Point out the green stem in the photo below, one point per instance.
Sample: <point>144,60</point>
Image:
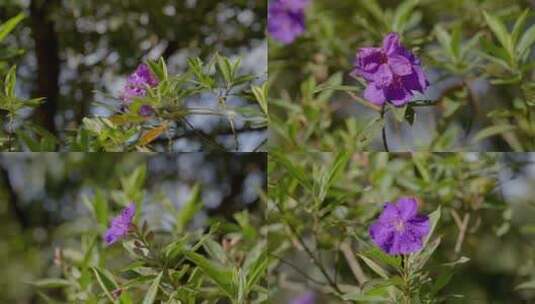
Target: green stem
<point>385,142</point>
<point>406,279</point>
<point>10,132</point>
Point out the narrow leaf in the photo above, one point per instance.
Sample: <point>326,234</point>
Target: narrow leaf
<point>153,290</point>
<point>151,135</point>
<point>9,25</point>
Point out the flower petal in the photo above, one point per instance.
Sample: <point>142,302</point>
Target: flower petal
<point>129,211</point>
<point>382,235</point>
<point>390,213</point>
<point>295,5</point>
<point>285,25</point>
<point>374,94</point>
<point>391,43</point>
<point>367,61</point>
<point>407,207</point>
<point>400,65</point>
<point>384,76</point>
<point>419,226</point>
<point>397,94</point>
<point>405,242</point>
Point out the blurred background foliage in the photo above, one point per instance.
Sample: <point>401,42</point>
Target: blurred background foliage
<point>76,54</point>
<point>478,56</point>
<point>327,202</point>
<point>47,207</point>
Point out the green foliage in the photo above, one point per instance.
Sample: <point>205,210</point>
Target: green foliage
<point>319,238</point>
<point>478,57</point>
<point>132,131</point>
<point>181,265</point>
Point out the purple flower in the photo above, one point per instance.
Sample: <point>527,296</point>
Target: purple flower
<point>146,111</point>
<point>138,82</point>
<point>400,229</point>
<point>393,73</point>
<point>307,298</point>
<point>286,19</point>
<point>120,225</point>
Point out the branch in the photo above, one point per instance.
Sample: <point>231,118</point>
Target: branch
<point>12,199</point>
<point>353,263</point>
<point>192,132</point>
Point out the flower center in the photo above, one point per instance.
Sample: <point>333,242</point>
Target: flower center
<point>399,225</point>
<point>383,58</point>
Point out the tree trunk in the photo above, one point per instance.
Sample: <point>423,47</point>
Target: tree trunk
<point>48,62</point>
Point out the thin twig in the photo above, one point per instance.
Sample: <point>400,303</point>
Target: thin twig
<point>202,135</point>
<point>263,142</point>
<point>385,142</point>
<point>353,263</point>
<point>364,102</point>
<point>311,255</point>
<point>463,226</point>
<point>299,271</point>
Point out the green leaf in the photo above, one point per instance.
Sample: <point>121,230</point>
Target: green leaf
<point>261,96</point>
<point>215,251</point>
<point>444,39</point>
<point>221,276</point>
<point>11,79</point>
<point>255,265</point>
<point>9,25</point>
<point>409,115</point>
<point>374,9</point>
<point>500,31</point>
<point>402,14</point>
<point>378,254</point>
<point>125,298</point>
<point>101,208</point>
<point>225,68</point>
<point>327,179</point>
<point>52,283</point>
<point>374,266</point>
<point>419,260</point>
<point>106,281</point>
<point>399,112</point>
<point>296,172</point>
<point>440,282</point>
<point>528,38</point>
<point>31,143</point>
<point>159,68</point>
<point>190,209</point>
<point>434,218</point>
<point>519,24</point>
<point>492,131</point>
<point>153,290</point>
<point>460,260</point>
<point>526,285</point>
